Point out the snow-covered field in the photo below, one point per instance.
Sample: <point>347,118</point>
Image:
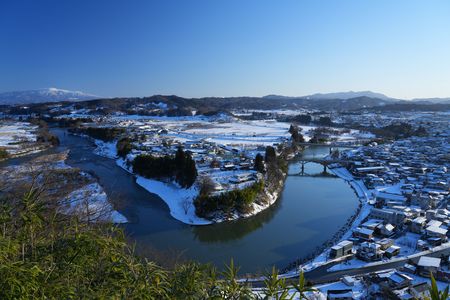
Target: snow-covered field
<point>242,133</point>
<point>13,136</point>
<point>106,149</point>
<point>221,131</point>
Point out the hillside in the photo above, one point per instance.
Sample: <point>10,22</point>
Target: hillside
<point>43,95</point>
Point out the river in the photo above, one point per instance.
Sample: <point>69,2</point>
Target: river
<point>308,213</point>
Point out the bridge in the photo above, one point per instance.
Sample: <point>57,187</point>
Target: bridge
<point>333,145</point>
<point>321,174</point>
<point>348,145</point>
<point>323,161</point>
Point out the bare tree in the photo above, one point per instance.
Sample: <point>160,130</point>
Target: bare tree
<point>186,203</point>
<point>206,185</point>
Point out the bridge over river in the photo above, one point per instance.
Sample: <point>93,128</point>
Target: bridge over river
<point>322,161</point>
<point>328,160</point>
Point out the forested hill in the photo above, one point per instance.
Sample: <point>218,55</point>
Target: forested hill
<point>172,105</point>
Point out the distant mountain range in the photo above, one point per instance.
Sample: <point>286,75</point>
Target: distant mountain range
<point>43,95</point>
<point>341,101</point>
<point>432,100</point>
<point>353,95</point>
<point>339,95</point>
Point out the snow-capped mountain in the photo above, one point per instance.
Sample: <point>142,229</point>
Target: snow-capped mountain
<point>43,95</point>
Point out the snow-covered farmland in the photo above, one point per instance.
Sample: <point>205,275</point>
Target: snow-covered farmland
<point>223,147</point>
<point>18,137</point>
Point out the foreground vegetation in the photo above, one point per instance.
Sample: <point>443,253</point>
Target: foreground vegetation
<point>45,253</point>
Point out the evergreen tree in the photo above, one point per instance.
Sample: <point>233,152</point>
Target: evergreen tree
<point>124,147</point>
<point>182,167</point>
<point>259,163</point>
<point>189,172</point>
<point>180,157</point>
<point>297,137</point>
<point>271,155</point>
<point>291,129</point>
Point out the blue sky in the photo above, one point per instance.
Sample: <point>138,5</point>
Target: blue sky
<point>226,48</point>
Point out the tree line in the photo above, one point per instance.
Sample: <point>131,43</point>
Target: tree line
<point>239,200</point>
<point>399,130</point>
<point>272,166</point>
<point>101,133</point>
<point>180,168</point>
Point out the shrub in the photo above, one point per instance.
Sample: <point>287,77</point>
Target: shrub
<point>3,153</point>
<point>124,146</point>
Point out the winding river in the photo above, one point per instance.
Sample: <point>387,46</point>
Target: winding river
<point>309,212</point>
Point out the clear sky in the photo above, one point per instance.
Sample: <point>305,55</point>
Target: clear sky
<point>226,48</point>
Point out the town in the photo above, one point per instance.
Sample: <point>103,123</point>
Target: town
<point>400,233</point>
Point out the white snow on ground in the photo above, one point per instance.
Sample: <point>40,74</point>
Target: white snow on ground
<point>408,243</point>
<point>19,138</point>
<point>16,132</point>
<point>349,264</point>
<point>179,200</point>
<point>107,149</point>
<point>222,130</point>
<point>357,185</point>
<point>358,290</point>
<point>237,133</point>
<point>91,201</point>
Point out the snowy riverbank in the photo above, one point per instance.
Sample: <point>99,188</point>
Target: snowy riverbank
<point>364,196</point>
<point>92,203</point>
<point>181,201</point>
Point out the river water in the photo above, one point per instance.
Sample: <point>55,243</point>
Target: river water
<point>308,213</point>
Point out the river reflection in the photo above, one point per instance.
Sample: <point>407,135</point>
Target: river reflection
<point>309,212</point>
<point>235,229</point>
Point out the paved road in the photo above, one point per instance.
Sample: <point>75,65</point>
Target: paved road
<point>320,274</point>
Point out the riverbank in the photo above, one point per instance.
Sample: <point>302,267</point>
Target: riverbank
<point>320,256</point>
<point>263,200</point>
<point>303,203</point>
<point>76,192</point>
<point>181,201</point>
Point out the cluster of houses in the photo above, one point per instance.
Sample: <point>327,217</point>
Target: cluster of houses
<point>411,183</point>
<point>229,167</point>
<point>435,123</point>
<point>410,213</point>
<point>410,281</point>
